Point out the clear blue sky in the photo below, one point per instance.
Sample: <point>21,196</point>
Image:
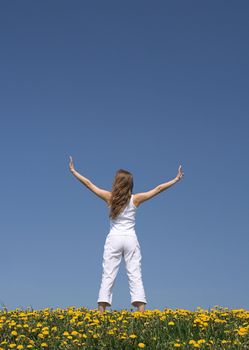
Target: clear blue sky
<point>140,85</point>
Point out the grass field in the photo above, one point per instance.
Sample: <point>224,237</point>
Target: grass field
<point>81,328</point>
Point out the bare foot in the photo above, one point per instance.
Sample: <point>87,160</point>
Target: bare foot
<point>140,306</point>
<point>102,306</point>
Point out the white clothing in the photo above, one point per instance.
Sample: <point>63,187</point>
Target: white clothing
<point>122,241</point>
<point>125,221</point>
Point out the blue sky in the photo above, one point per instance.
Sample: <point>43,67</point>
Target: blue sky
<point>144,86</point>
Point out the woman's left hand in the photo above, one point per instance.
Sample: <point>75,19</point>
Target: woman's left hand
<point>71,165</point>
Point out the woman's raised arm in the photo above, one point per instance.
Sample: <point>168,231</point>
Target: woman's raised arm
<point>103,194</point>
<point>144,196</point>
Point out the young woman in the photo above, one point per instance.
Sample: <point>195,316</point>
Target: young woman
<point>121,240</point>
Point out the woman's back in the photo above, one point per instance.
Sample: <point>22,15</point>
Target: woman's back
<point>125,221</point>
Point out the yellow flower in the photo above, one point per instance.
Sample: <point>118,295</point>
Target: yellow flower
<point>44,345</point>
<point>242,331</point>
<point>177,345</point>
<point>171,323</point>
<point>84,336</point>
<point>65,333</point>
<point>12,345</point>
<point>20,347</point>
<point>74,332</point>
<point>141,345</point>
<point>133,336</point>
<point>14,333</point>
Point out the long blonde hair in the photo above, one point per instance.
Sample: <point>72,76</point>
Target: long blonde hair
<point>122,187</point>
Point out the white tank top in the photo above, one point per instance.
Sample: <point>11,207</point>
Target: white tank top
<point>124,223</point>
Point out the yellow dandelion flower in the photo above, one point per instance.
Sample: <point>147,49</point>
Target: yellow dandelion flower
<point>141,345</point>
<point>133,336</point>
<point>177,345</point>
<point>171,323</point>
<point>74,333</point>
<point>19,347</point>
<point>12,345</point>
<point>14,333</point>
<point>44,345</point>
<point>242,331</point>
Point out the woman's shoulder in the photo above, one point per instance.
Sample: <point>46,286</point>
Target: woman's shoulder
<point>135,201</point>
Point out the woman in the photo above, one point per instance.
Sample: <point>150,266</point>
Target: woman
<point>122,239</point>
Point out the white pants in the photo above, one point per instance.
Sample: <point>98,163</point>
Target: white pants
<point>116,246</point>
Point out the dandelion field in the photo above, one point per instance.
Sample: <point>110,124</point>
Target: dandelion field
<point>80,328</point>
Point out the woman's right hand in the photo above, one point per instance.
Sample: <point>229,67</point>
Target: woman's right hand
<point>180,173</point>
<point>71,165</point>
